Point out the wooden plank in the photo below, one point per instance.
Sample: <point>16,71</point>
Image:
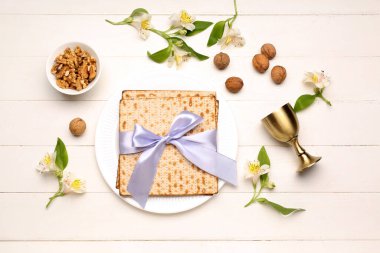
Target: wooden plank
<point>293,35</point>
<point>212,7</point>
<point>103,216</point>
<point>40,122</point>
<point>191,246</point>
<point>330,175</point>
<point>30,82</point>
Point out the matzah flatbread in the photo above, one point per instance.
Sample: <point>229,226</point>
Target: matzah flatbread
<point>175,175</point>
<point>137,94</point>
<point>140,94</point>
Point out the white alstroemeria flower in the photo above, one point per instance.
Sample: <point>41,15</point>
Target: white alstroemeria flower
<point>178,56</point>
<point>231,36</point>
<point>255,170</point>
<point>142,24</point>
<point>73,184</point>
<point>47,163</point>
<point>183,19</point>
<point>319,79</point>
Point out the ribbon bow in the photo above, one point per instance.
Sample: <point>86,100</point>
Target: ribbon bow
<point>199,149</point>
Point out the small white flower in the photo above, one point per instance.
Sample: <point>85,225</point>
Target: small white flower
<point>231,36</point>
<point>47,163</point>
<point>319,79</point>
<point>73,184</point>
<point>255,170</point>
<point>183,19</point>
<point>142,24</point>
<point>178,57</point>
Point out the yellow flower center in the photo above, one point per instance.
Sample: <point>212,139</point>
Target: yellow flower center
<point>315,78</point>
<point>185,17</point>
<point>145,24</point>
<point>47,159</point>
<point>254,167</point>
<point>228,40</point>
<point>76,184</point>
<point>178,59</point>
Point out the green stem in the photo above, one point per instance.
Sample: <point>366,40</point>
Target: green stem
<point>160,33</point>
<point>232,20</point>
<point>170,28</point>
<point>59,193</point>
<point>253,199</point>
<point>323,98</point>
<point>258,194</point>
<point>235,6</point>
<point>126,21</point>
<point>255,196</point>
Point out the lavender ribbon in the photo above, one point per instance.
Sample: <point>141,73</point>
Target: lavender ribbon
<point>199,149</point>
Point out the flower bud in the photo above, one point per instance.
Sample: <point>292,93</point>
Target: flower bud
<point>179,43</point>
<point>182,32</point>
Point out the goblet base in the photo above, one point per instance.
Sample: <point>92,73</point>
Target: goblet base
<point>307,161</point>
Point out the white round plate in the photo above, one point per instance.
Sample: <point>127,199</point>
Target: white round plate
<point>106,140</point>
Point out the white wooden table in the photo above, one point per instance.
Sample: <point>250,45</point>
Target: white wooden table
<point>341,194</point>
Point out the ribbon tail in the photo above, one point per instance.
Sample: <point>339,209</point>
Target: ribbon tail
<point>143,175</point>
<point>208,160</point>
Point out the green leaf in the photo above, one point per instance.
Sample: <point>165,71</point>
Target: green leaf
<point>304,102</point>
<point>263,157</point>
<point>200,26</point>
<point>279,208</point>
<point>129,20</point>
<point>138,12</point>
<point>182,44</point>
<point>123,22</point>
<point>62,158</point>
<point>161,56</point>
<point>216,33</point>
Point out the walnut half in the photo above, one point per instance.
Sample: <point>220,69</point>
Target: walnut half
<point>74,69</point>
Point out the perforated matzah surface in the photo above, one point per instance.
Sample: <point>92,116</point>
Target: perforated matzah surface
<point>175,175</point>
<point>136,94</point>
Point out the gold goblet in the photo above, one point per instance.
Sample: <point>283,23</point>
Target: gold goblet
<point>283,126</point>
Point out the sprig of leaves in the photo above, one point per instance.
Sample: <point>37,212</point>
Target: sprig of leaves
<point>61,161</point>
<point>265,182</point>
<point>307,100</point>
<point>218,29</point>
<point>172,36</point>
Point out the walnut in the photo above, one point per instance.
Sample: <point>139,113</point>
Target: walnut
<point>234,84</point>
<point>74,69</point>
<point>268,50</point>
<point>278,74</point>
<point>221,60</point>
<point>77,126</point>
<point>260,62</point>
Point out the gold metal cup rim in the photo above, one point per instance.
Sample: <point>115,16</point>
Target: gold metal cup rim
<point>287,105</point>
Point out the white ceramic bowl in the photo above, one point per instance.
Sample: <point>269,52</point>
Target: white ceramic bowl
<point>59,50</point>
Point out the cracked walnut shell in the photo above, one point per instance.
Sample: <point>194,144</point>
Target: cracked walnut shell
<point>260,62</point>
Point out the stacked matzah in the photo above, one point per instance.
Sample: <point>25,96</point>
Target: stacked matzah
<point>155,110</point>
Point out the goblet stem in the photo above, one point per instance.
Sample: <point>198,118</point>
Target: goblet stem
<point>306,159</point>
<point>296,145</point>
